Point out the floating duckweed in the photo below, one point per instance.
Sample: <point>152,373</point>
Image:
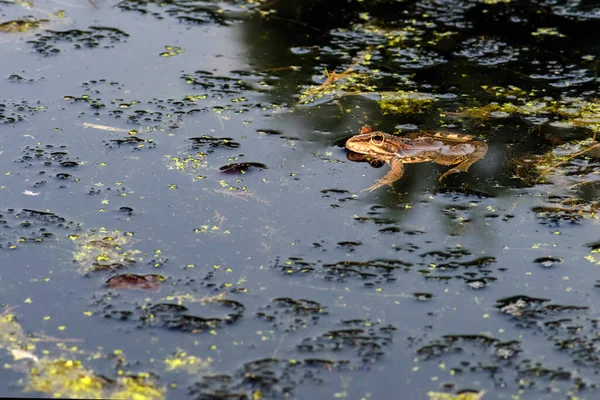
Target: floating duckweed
<point>103,250</point>
<point>566,112</point>
<point>510,91</point>
<point>531,168</point>
<point>11,334</point>
<point>21,25</point>
<point>137,388</point>
<point>405,102</point>
<point>189,165</point>
<point>69,378</point>
<point>337,85</point>
<point>468,395</point>
<point>547,32</point>
<point>188,363</point>
<point>171,51</point>
<point>64,378</point>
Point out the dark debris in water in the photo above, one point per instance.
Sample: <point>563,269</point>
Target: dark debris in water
<point>193,12</point>
<point>179,318</point>
<point>241,167</point>
<point>17,111</point>
<point>292,314</point>
<point>47,43</point>
<point>209,143</point>
<point>47,160</point>
<point>271,377</point>
<point>18,228</point>
<point>367,339</point>
<point>134,281</point>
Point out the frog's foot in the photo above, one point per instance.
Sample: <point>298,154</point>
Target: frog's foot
<point>454,170</point>
<point>379,183</point>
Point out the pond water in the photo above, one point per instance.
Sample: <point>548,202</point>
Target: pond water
<point>180,218</point>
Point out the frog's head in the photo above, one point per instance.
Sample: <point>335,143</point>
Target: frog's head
<point>376,144</point>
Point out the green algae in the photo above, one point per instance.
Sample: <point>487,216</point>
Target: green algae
<point>460,396</point>
<point>191,165</point>
<point>68,377</point>
<point>22,25</point>
<point>405,102</point>
<point>182,361</point>
<point>71,379</point>
<point>172,51</point>
<point>564,112</point>
<point>101,249</point>
<point>336,85</point>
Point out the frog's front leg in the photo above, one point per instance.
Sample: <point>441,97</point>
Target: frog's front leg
<point>392,176</point>
<point>480,150</point>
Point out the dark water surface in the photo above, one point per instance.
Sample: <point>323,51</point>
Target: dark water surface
<point>179,218</point>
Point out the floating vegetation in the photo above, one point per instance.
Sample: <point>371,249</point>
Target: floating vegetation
<point>462,395</point>
<point>70,379</point>
<point>571,164</point>
<point>104,250</point>
<point>171,51</point>
<point>191,165</point>
<point>67,377</point>
<point>405,102</point>
<point>334,86</point>
<point>563,113</point>
<point>22,25</point>
<point>192,365</point>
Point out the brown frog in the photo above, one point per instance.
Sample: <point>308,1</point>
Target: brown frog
<point>441,148</point>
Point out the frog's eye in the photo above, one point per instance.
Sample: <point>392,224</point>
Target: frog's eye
<point>377,139</point>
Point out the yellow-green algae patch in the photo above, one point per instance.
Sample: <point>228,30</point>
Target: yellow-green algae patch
<point>193,365</point>
<point>101,249</point>
<point>21,25</point>
<point>566,112</point>
<point>461,396</point>
<point>70,379</point>
<point>11,334</point>
<point>554,166</point>
<point>405,102</point>
<point>190,165</point>
<point>337,85</point>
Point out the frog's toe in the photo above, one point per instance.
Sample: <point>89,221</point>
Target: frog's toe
<point>449,172</point>
<point>376,186</point>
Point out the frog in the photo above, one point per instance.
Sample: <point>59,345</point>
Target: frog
<point>444,148</point>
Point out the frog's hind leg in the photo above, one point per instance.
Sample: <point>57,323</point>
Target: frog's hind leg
<point>464,165</point>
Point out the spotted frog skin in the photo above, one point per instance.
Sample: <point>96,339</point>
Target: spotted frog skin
<point>440,148</point>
